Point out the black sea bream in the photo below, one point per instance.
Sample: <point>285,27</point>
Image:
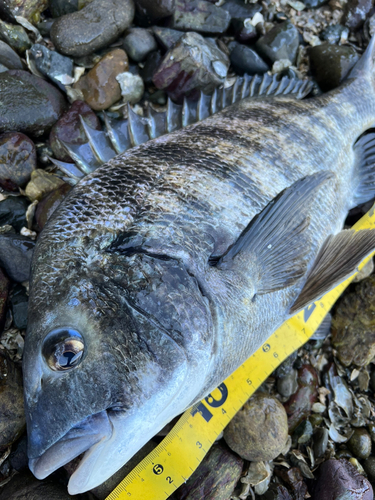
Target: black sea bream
<point>166,268</point>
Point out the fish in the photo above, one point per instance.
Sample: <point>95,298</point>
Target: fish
<point>163,270</point>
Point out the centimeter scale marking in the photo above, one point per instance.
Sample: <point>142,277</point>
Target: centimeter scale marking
<point>173,461</point>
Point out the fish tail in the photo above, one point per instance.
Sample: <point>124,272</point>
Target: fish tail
<point>364,68</point>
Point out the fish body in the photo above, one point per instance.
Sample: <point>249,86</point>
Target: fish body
<point>165,269</point>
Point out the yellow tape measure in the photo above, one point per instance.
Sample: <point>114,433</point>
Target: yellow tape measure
<point>172,462</point>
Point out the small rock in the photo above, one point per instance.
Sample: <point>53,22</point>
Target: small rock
<point>166,36</point>
<point>298,407</point>
<point>18,305</point>
<point>281,42</point>
<point>189,66</point>
<point>353,325</point>
<point>238,9</point>
<point>45,27</point>
<point>259,431</point>
<point>138,43</point>
<point>332,34</point>
<point>15,36</point>
<point>8,57</point>
<point>356,12</point>
<point>303,432</point>
<point>287,384</point>
<point>293,478</point>
<point>132,87</point>
<point>17,160</point>
<point>4,290</point>
<point>200,16</point>
<point>215,478</point>
<point>280,66</point>
<point>48,205</point>
<point>30,9</point>
<point>26,487</point>
<point>69,128</point>
<point>13,212</point>
<point>99,87</point>
<point>15,256</point>
<point>314,4</point>
<point>320,441</point>
<point>246,60</point>
<point>360,443</point>
<point>277,492</point>
<point>151,11</point>
<point>42,183</point>
<point>29,104</point>
<point>244,31</point>
<point>150,66</point>
<point>12,417</point>
<point>339,479</point>
<point>331,63</point>
<point>52,64</point>
<point>369,467</point>
<point>95,26</point>
<point>365,272</point>
<point>60,8</point>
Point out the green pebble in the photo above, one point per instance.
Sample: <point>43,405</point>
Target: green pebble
<point>360,443</point>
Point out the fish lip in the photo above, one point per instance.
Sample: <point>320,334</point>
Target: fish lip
<point>52,458</point>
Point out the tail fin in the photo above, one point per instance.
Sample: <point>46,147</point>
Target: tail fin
<point>364,68</point>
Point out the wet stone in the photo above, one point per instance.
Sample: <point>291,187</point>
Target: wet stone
<point>42,183</point>
<point>30,104</point>
<point>193,63</point>
<point>166,37</point>
<point>331,63</point>
<point>16,252</point>
<point>244,31</point>
<point>26,487</point>
<point>99,87</point>
<point>95,26</point>
<point>215,478</point>
<point>18,305</point>
<point>17,160</point>
<point>15,36</point>
<point>4,291</point>
<point>13,212</point>
<point>246,60</point>
<point>30,9</point>
<point>60,8</point>
<point>48,205</point>
<point>303,432</point>
<point>52,64</point>
<point>339,479</point>
<point>332,34</point>
<point>353,325</point>
<point>360,443</point>
<point>238,9</point>
<point>151,11</point>
<point>138,43</point>
<point>132,87</point>
<point>369,467</point>
<point>69,128</point>
<point>200,16</point>
<point>45,27</point>
<point>150,66</point>
<point>294,479</point>
<point>12,418</point>
<point>8,57</point>
<point>356,12</point>
<point>287,384</point>
<point>259,431</point>
<point>281,42</point>
<point>320,441</point>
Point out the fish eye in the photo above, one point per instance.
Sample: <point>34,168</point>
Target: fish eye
<point>63,349</point>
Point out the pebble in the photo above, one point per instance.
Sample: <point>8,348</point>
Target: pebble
<point>69,128</point>
<point>99,86</point>
<point>303,432</point>
<point>294,479</point>
<point>18,305</point>
<point>192,64</point>
<point>259,431</point>
<point>320,441</point>
<point>281,42</point>
<point>166,37</point>
<point>42,183</point>
<point>237,9</point>
<point>314,4</point>
<point>132,87</point>
<point>353,325</point>
<point>13,212</point>
<point>332,34</point>
<point>52,64</point>
<point>369,467</point>
<point>8,57</point>
<point>360,443</point>
<point>16,253</point>
<point>138,43</point>
<point>30,104</point>
<point>26,487</point>
<point>298,407</point>
<point>150,66</point>
<point>244,31</point>
<point>30,9</point>
<point>12,418</point>
<point>15,36</point>
<point>200,16</point>
<point>277,492</point>
<point>215,479</point>
<point>95,26</point>
<point>4,291</point>
<point>287,384</point>
<point>246,60</point>
<point>339,479</point>
<point>17,160</point>
<point>151,11</point>
<point>356,12</point>
<point>331,63</point>
<point>48,205</point>
<point>60,8</point>
<point>365,271</point>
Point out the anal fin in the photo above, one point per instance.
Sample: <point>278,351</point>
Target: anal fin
<point>336,261</point>
<point>365,168</point>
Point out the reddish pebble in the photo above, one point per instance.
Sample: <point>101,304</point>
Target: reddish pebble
<point>17,160</point>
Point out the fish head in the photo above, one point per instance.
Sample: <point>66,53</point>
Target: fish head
<point>101,377</point>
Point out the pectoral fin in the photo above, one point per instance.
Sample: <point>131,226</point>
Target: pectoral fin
<point>275,244</point>
<point>336,261</point>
